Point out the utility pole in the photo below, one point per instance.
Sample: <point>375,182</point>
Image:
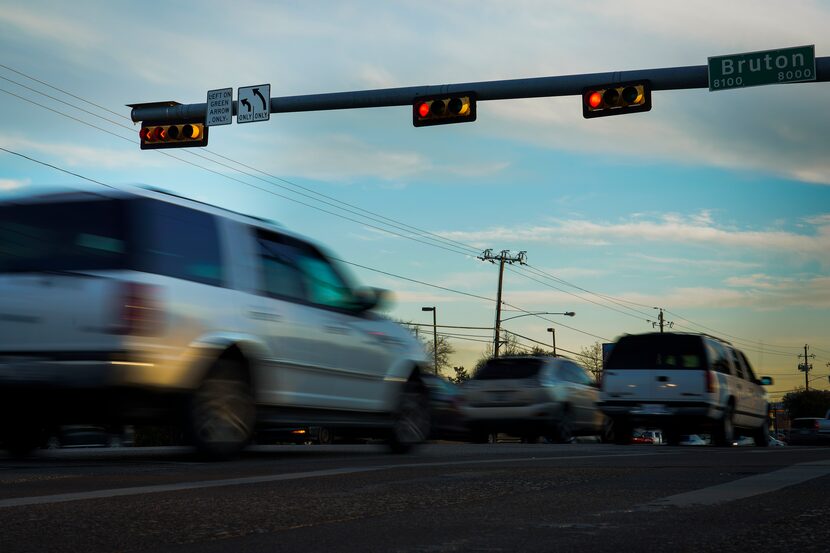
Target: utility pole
<point>661,321</point>
<point>806,366</point>
<point>503,257</point>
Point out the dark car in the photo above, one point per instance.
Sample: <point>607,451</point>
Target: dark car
<point>445,408</point>
<point>807,431</point>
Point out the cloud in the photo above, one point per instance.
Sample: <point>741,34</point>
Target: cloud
<point>74,155</point>
<point>674,262</point>
<point>7,185</point>
<point>669,229</point>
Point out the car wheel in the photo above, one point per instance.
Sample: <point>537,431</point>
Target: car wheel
<point>725,431</point>
<point>672,436</point>
<point>622,432</point>
<point>761,435</point>
<point>221,413</point>
<point>411,423</point>
<point>325,437</point>
<point>492,438</point>
<point>606,433</point>
<point>563,429</point>
<point>21,440</point>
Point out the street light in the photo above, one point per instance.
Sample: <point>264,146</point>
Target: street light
<point>498,324</point>
<point>434,335</point>
<point>553,332</point>
<point>566,313</point>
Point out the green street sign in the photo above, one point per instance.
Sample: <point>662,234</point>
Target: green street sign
<point>786,65</point>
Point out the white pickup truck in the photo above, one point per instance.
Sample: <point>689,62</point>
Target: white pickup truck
<point>810,430</point>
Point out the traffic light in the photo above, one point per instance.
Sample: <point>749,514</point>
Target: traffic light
<point>182,135</point>
<point>444,109</point>
<point>616,99</point>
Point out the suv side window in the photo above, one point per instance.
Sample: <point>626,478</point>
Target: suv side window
<point>574,373</point>
<point>178,241</point>
<point>749,374</point>
<point>717,357</point>
<point>738,364</point>
<point>295,270</point>
<point>280,276</point>
<point>324,285</point>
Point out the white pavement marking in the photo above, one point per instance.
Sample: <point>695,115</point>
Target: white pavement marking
<point>745,487</point>
<point>182,486</point>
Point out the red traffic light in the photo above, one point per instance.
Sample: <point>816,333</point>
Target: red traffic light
<point>181,135</point>
<point>616,99</point>
<point>444,109</point>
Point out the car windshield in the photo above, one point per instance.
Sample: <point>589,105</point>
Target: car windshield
<point>505,367</point>
<point>657,351</point>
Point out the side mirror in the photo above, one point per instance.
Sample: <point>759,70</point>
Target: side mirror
<point>765,381</point>
<point>373,299</point>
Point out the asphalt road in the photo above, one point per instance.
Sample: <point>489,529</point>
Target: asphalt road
<point>443,497</point>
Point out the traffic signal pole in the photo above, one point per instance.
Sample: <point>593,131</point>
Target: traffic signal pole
<point>667,78</point>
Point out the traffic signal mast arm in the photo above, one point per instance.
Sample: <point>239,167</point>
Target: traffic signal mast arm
<point>668,78</point>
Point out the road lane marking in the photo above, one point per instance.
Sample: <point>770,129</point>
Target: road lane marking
<point>204,484</point>
<point>744,487</point>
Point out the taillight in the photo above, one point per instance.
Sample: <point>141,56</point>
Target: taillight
<point>141,313</point>
<point>710,381</point>
<point>816,425</point>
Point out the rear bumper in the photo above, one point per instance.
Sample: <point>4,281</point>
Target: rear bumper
<point>512,418</point>
<point>43,374</point>
<point>692,412</point>
<point>61,391</point>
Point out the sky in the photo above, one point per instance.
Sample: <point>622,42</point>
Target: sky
<point>714,206</point>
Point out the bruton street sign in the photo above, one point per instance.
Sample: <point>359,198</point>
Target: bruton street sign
<point>785,65</point>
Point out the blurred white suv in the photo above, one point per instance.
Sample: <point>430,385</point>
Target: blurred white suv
<point>138,306</point>
<point>683,383</point>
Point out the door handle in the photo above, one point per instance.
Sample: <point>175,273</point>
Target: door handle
<point>264,315</point>
<point>662,379</point>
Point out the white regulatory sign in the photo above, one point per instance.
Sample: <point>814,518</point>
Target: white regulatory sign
<point>219,107</point>
<point>253,103</point>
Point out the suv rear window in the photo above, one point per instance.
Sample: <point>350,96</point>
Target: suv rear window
<point>657,351</point>
<point>110,234</point>
<point>62,236</point>
<point>505,367</point>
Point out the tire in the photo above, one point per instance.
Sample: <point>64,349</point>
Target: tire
<point>761,435</point>
<point>671,436</point>
<point>324,436</point>
<point>622,432</point>
<point>724,432</point>
<point>411,422</point>
<point>221,413</point>
<point>563,428</point>
<point>492,438</point>
<point>21,440</point>
<point>606,433</point>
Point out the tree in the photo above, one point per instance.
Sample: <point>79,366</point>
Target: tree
<point>445,349</point>
<point>590,357</point>
<point>461,375</point>
<point>807,403</point>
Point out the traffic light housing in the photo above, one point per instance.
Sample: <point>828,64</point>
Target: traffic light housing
<point>616,99</point>
<point>180,135</point>
<point>443,109</point>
